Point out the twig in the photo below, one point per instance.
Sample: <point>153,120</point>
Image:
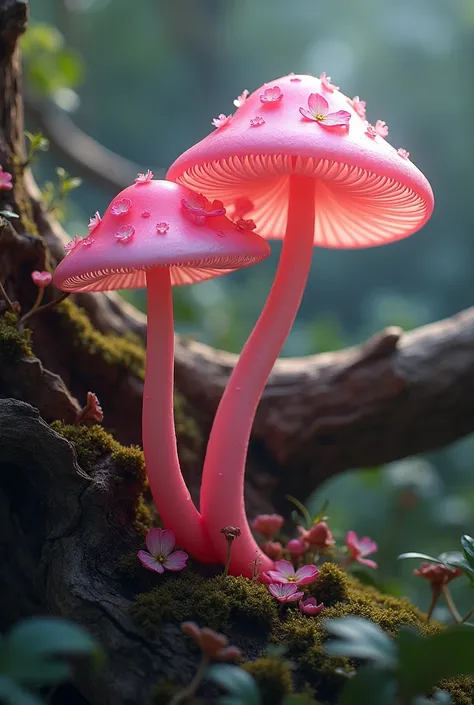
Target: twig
<point>451,606</point>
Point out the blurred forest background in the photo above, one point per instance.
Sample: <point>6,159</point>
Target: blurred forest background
<point>145,80</point>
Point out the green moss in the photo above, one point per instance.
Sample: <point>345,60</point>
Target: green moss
<point>461,689</point>
<point>13,343</point>
<point>273,678</point>
<point>331,586</point>
<point>217,603</point>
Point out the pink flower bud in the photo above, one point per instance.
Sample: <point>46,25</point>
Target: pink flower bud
<point>297,547</point>
<point>273,549</point>
<point>41,279</point>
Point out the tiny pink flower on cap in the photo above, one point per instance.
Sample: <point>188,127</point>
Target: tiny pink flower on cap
<point>271,95</point>
<point>162,228</point>
<point>240,100</point>
<point>381,128</point>
<point>244,225</point>
<point>41,279</point>
<point>267,524</point>
<point>318,110</point>
<point>5,180</point>
<point>297,547</point>
<point>310,606</point>
<point>94,221</point>
<point>403,153</point>
<point>146,214</point>
<point>326,83</point>
<point>121,206</point>
<point>198,208</point>
<point>360,548</point>
<point>221,120</point>
<point>257,121</point>
<point>359,106</point>
<point>160,555</point>
<point>370,131</point>
<point>87,241</point>
<point>273,549</point>
<point>285,593</point>
<point>285,573</point>
<point>72,244</point>
<point>125,233</point>
<point>144,178</point>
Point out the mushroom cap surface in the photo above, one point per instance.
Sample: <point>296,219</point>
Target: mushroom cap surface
<point>366,191</point>
<point>147,225</point>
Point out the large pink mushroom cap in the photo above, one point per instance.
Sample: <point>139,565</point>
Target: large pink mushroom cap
<point>366,191</point>
<point>148,226</point>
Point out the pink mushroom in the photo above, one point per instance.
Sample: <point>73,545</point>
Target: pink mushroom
<point>313,176</point>
<point>156,234</point>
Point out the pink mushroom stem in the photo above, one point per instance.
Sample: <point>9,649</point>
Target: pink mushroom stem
<point>171,496</point>
<point>222,491</point>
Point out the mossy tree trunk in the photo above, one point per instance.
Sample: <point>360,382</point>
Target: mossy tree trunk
<point>69,512</point>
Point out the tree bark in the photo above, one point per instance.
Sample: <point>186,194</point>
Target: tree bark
<point>395,395</point>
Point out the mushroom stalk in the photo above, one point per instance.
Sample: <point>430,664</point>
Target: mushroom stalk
<point>222,491</point>
<point>171,496</point>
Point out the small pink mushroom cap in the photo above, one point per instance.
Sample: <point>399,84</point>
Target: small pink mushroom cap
<point>158,224</point>
<point>366,192</point>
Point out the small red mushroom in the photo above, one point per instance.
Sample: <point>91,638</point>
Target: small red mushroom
<point>183,239</point>
<point>314,177</point>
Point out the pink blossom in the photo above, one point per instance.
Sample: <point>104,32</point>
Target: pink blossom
<point>271,95</point>
<point>221,120</point>
<point>144,178</point>
<point>360,548</point>
<point>41,279</point>
<point>319,111</point>
<point>326,83</point>
<point>285,573</point>
<point>381,128</point>
<point>273,549</point>
<point>359,106</point>
<point>318,535</point>
<point>125,233</point>
<point>94,221</point>
<point>92,411</point>
<point>160,554</point>
<point>257,121</point>
<point>5,180</point>
<point>198,208</point>
<point>146,214</point>
<point>72,244</point>
<point>162,228</point>
<point>297,547</point>
<point>438,575</point>
<point>310,606</point>
<point>370,131</point>
<point>285,593</point>
<point>88,241</point>
<point>245,225</point>
<point>121,206</point>
<point>267,524</point>
<point>240,100</point>
<point>403,153</point>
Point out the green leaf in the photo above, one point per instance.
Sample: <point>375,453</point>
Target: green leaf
<point>240,684</point>
<point>13,694</point>
<point>467,543</point>
<point>359,638</point>
<point>370,686</point>
<point>302,509</point>
<point>440,697</point>
<point>420,556</point>
<point>29,651</point>
<point>9,214</point>
<point>321,515</point>
<point>424,661</point>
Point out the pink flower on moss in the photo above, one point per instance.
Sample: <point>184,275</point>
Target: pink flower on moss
<point>121,206</point>
<point>326,83</point>
<point>271,95</point>
<point>403,153</point>
<point>94,221</point>
<point>318,535</point>
<point>144,178</point>
<point>318,110</point>
<point>240,100</point>
<point>5,180</point>
<point>285,593</point>
<point>310,606</point>
<point>285,573</point>
<point>381,128</point>
<point>257,121</point>
<point>160,555</point>
<point>41,279</point>
<point>370,131</point>
<point>267,524</point>
<point>359,106</point>
<point>72,244</point>
<point>297,547</point>
<point>273,549</point>
<point>221,120</point>
<point>245,225</point>
<point>360,548</point>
